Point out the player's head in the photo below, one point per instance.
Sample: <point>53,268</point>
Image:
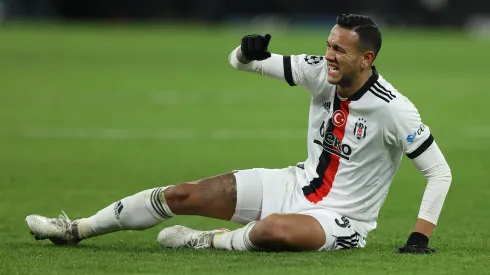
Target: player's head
<point>352,46</point>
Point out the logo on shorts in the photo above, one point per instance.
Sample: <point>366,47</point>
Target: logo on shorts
<point>345,222</point>
<point>360,128</point>
<point>339,118</point>
<point>346,242</point>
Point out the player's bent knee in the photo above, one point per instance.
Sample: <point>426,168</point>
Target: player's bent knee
<point>178,194</point>
<point>290,232</point>
<point>273,230</point>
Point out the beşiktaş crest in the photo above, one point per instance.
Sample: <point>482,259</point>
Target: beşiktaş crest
<point>360,128</point>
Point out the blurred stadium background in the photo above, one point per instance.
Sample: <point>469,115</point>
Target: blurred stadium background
<point>454,13</point>
<point>100,99</point>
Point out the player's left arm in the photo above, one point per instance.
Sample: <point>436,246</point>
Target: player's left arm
<point>406,130</point>
<point>433,165</point>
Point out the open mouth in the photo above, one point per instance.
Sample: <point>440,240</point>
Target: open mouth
<point>333,70</point>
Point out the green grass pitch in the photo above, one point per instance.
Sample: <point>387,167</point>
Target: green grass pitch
<point>92,114</point>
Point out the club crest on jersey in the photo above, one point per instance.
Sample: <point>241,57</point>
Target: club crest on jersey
<point>339,118</point>
<point>360,128</point>
<point>313,59</point>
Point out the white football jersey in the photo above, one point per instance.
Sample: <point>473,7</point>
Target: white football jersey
<point>355,145</point>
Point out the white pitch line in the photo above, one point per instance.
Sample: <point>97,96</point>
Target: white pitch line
<point>168,97</point>
<point>477,132</point>
<point>79,133</point>
<point>470,133</point>
<point>161,97</point>
<point>169,134</point>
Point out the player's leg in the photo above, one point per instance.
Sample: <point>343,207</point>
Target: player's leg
<point>213,197</point>
<point>270,191</point>
<point>277,232</point>
<point>311,230</point>
<point>288,232</point>
<point>340,232</point>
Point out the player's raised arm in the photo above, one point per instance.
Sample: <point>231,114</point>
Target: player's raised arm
<point>253,55</point>
<point>406,130</point>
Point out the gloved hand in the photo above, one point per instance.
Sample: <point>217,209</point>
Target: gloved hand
<point>417,243</point>
<point>254,46</point>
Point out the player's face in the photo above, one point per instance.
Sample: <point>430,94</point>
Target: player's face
<point>343,56</point>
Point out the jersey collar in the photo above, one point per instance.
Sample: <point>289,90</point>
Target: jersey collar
<point>370,82</point>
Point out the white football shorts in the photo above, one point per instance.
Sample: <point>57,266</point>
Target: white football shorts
<point>261,192</point>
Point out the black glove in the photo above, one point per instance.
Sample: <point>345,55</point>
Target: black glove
<point>417,243</point>
<point>254,47</point>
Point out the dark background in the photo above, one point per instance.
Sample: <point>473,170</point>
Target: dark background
<point>453,13</point>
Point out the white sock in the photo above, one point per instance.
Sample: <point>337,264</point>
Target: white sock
<point>139,211</point>
<point>235,240</point>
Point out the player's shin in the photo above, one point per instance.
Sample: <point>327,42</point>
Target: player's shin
<point>235,240</point>
<point>139,211</point>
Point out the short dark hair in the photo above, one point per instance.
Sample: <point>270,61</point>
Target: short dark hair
<point>365,27</point>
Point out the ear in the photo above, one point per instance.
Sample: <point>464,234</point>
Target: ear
<point>367,59</point>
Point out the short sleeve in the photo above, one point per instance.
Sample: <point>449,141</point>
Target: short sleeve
<point>405,129</point>
<point>308,71</point>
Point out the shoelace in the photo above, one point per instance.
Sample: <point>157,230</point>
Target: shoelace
<point>64,222</point>
<point>201,241</point>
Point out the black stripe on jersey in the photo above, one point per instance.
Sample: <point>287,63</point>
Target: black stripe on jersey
<point>288,72</point>
<point>384,89</point>
<point>379,95</point>
<point>324,158</point>
<point>383,92</point>
<point>426,144</point>
<point>372,79</point>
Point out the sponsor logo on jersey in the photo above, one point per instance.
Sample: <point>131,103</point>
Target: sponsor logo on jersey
<point>339,118</point>
<point>360,128</point>
<point>334,146</point>
<point>411,137</point>
<point>313,59</point>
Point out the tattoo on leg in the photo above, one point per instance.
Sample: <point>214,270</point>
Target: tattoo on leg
<point>222,187</point>
<point>233,193</point>
<point>205,187</point>
<point>229,187</point>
